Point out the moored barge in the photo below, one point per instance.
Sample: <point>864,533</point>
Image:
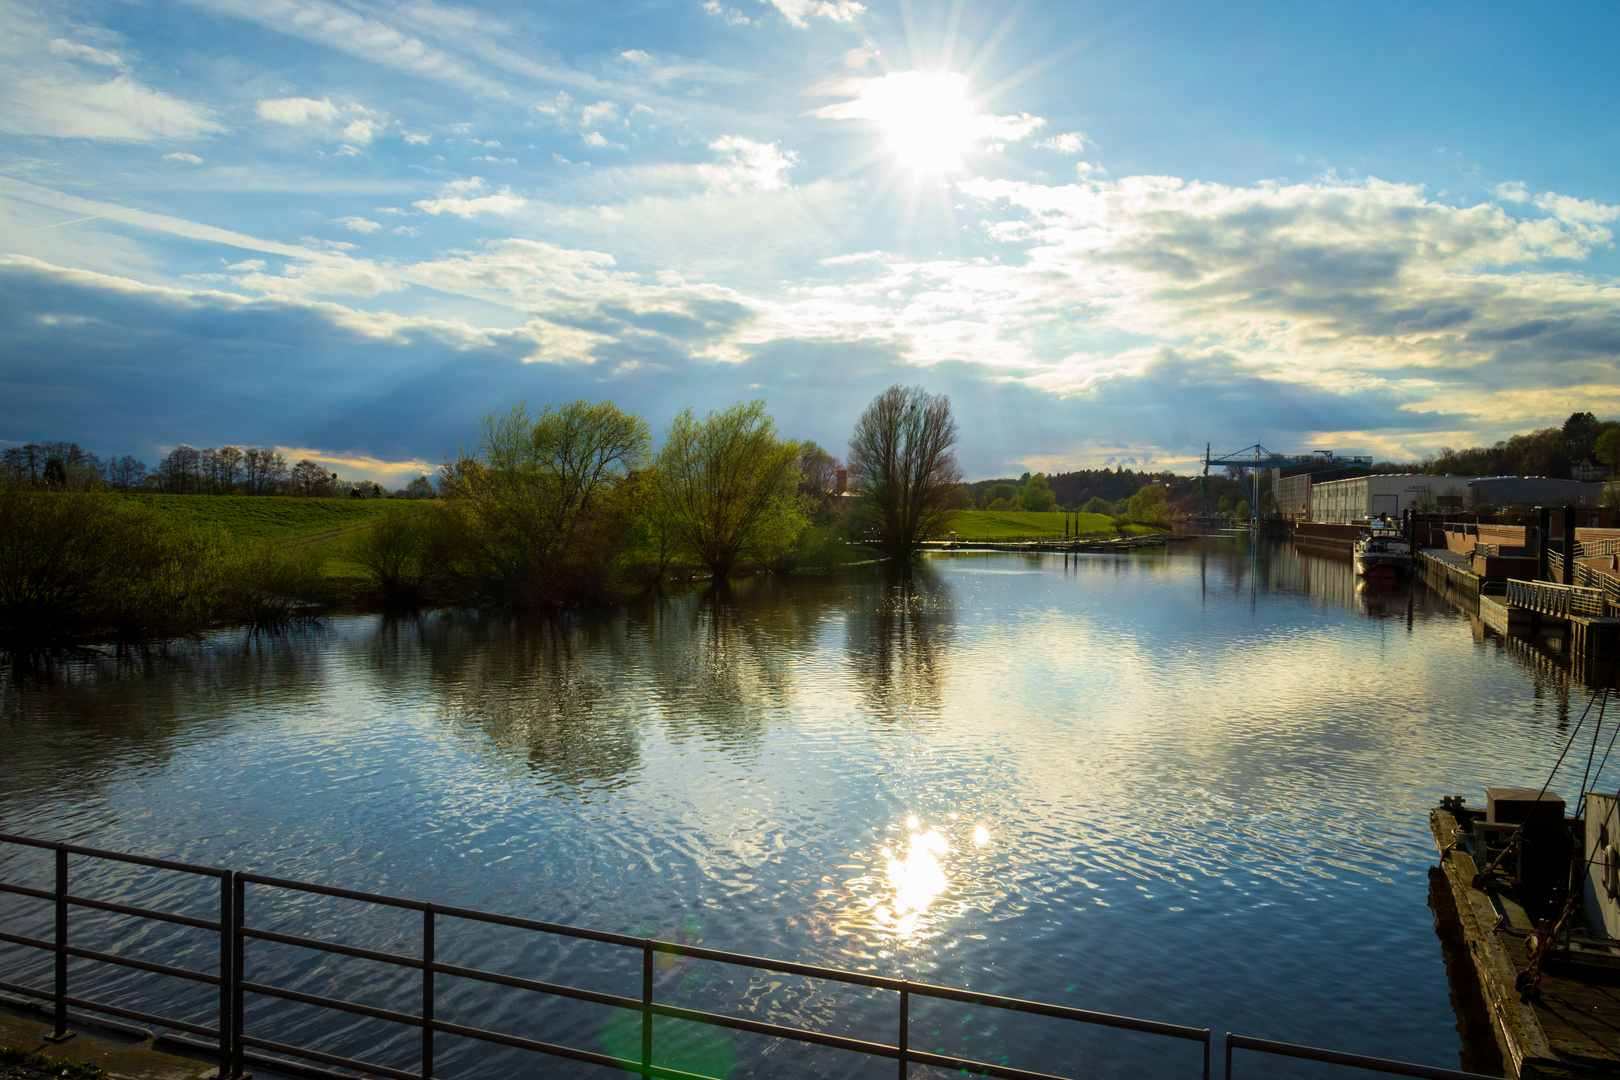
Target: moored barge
<point>1533,899</point>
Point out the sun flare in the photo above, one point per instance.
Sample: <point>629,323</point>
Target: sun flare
<point>929,121</point>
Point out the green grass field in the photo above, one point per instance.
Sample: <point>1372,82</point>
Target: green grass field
<point>1011,524</point>
<point>276,519</point>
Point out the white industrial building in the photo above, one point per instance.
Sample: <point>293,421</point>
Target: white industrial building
<point>1358,498</point>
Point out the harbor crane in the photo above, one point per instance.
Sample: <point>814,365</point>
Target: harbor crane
<point>1257,457</point>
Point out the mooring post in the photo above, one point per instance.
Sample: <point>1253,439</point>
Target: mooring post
<point>60,1031</point>
<point>1569,545</point>
<point>427,993</point>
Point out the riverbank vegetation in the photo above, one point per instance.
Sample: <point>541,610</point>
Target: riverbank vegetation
<point>570,503</point>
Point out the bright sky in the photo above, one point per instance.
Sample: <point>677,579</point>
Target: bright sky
<point>1109,232</point>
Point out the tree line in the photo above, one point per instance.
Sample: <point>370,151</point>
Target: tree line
<point>574,502</point>
<point>226,470</point>
<point>571,502</point>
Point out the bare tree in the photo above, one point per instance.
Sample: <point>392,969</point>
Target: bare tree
<point>229,464</point>
<point>179,470</point>
<point>902,467</point>
<point>262,468</point>
<point>125,473</point>
<point>310,478</point>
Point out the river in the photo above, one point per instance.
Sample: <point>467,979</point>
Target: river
<point>1189,784</point>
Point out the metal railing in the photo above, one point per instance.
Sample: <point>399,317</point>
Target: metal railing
<point>233,1040</point>
<point>1559,601</point>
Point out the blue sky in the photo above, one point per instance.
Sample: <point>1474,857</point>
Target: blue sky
<point>1110,232</point>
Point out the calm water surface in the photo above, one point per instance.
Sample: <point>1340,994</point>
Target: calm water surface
<point>1188,785</point>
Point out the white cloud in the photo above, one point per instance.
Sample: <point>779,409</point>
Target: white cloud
<point>748,163</point>
<point>636,56</point>
<point>121,109</point>
<point>293,111</point>
<point>357,224</point>
<point>798,12</point>
<point>85,53</point>
<point>594,138</point>
<point>189,159</point>
<point>417,139</point>
<point>595,115</point>
<point>349,123</point>
<point>1582,211</point>
<point>1513,191</point>
<point>247,264</point>
<point>1070,142</point>
<point>454,199</point>
<point>731,15</point>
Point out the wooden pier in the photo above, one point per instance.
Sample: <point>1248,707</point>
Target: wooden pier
<point>1086,544</point>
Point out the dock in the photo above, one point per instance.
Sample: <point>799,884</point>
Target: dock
<point>1084,544</point>
<point>1571,1028</point>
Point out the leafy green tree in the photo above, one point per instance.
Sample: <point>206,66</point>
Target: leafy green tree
<point>903,468</point>
<point>1608,448</point>
<point>1037,494</point>
<point>1097,505</point>
<point>1148,506</point>
<point>999,492</point>
<point>544,504</point>
<point>1580,431</point>
<point>727,488</point>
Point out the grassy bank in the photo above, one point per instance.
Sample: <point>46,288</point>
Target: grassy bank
<point>1011,524</point>
<point>258,519</point>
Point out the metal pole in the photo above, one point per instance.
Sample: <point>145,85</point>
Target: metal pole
<point>61,1032</point>
<point>1227,1075</point>
<point>646,1006</point>
<point>238,909</point>
<point>427,993</point>
<point>905,1027</point>
<point>227,889</point>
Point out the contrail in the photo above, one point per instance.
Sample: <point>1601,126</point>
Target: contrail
<point>75,221</point>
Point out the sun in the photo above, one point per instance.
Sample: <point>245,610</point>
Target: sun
<point>929,121</point>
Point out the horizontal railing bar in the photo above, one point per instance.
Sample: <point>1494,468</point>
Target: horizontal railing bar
<point>606,937</point>
<point>23,890</point>
<point>26,991</point>
<point>140,912</point>
<point>141,965</point>
<point>36,943</point>
<point>144,1017</point>
<point>759,1027</point>
<point>520,1043</point>
<point>1355,1061</point>
<point>983,1068</point>
<point>1062,1012</point>
<point>333,890</point>
<point>331,947</point>
<point>785,967</point>
<point>408,1019</point>
<point>116,856</point>
<point>520,983</point>
<point>329,1059</point>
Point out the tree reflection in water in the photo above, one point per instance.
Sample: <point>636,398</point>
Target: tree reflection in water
<point>898,644</point>
<point>576,693</point>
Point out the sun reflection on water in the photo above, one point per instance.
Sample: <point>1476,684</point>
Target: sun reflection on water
<point>923,877</point>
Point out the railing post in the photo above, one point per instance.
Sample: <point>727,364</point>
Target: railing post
<point>646,1006</point>
<point>238,920</point>
<point>60,1031</point>
<point>427,993</point>
<point>905,1027</point>
<point>1207,1037</point>
<point>227,885</point>
<point>1227,1075</point>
